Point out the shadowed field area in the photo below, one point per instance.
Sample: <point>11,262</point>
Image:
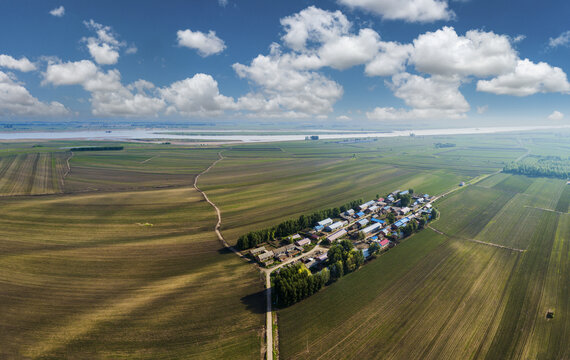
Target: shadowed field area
<point>137,274</point>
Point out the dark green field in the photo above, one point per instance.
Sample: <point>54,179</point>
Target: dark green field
<point>118,258</point>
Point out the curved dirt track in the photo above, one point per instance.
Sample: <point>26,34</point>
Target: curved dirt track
<point>269,317</point>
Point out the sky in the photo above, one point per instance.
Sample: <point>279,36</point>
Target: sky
<point>349,61</point>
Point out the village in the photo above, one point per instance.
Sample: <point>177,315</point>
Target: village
<point>372,227</point>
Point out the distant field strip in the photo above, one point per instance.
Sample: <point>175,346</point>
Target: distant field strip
<point>564,200</point>
<point>31,174</point>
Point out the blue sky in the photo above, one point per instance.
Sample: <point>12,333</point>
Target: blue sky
<point>414,61</point>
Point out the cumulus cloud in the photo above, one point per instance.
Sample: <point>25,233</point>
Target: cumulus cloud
<point>16,100</point>
<point>108,96</point>
<point>556,116</point>
<point>206,44</point>
<point>527,78</point>
<point>429,98</point>
<point>390,60</point>
<point>407,10</point>
<point>196,96</point>
<point>313,25</point>
<point>58,11</point>
<point>562,40</point>
<point>223,3</point>
<point>105,47</point>
<point>23,64</point>
<point>284,90</point>
<point>478,53</point>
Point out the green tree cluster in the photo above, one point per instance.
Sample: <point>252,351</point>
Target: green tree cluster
<point>343,259</point>
<point>295,283</point>
<point>554,167</point>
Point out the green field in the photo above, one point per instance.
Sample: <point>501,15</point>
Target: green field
<point>118,258</point>
<point>459,299</point>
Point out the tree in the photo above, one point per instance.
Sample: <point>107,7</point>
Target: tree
<point>391,218</point>
<point>374,248</point>
<point>411,191</point>
<point>434,213</point>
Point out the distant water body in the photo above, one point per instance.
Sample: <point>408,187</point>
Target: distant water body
<point>150,134</point>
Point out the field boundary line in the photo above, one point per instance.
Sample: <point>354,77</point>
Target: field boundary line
<point>149,159</point>
<point>543,209</point>
<point>478,241</point>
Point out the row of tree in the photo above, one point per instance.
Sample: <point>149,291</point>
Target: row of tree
<point>548,168</point>
<point>443,145</point>
<point>295,283</point>
<point>97,148</point>
<point>289,227</point>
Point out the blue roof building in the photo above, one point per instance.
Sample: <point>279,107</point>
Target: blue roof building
<point>360,214</point>
<point>377,221</point>
<point>405,192</point>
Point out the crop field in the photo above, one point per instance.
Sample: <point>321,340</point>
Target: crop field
<point>32,174</point>
<point>261,186</point>
<point>118,259</point>
<point>131,274</point>
<point>459,299</point>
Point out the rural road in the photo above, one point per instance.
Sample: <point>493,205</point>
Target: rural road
<point>267,272</point>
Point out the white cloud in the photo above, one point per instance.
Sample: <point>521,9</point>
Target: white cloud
<point>562,40</point>
<point>482,109</point>
<point>131,50</point>
<point>347,51</point>
<point>23,64</point>
<point>556,116</point>
<point>16,100</point>
<point>196,96</point>
<point>58,11</point>
<point>408,10</point>
<point>519,38</point>
<point>390,60</point>
<point>223,3</point>
<point>313,25</point>
<point>206,44</point>
<point>343,118</point>
<point>429,98</point>
<point>284,90</point>
<point>478,53</point>
<point>108,96</point>
<point>105,47</point>
<point>526,79</point>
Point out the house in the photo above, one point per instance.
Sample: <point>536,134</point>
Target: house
<point>462,183</point>
<point>257,250</point>
<point>365,252</point>
<point>318,228</point>
<point>428,206</point>
<point>295,237</point>
<point>371,229</point>
<point>405,192</point>
<point>325,222</point>
<point>337,235</point>
<point>372,209</point>
<point>265,256</point>
<point>359,214</point>
<point>426,196</point>
<point>378,221</point>
<point>385,231</point>
<point>405,210</point>
<point>303,242</point>
<point>366,205</point>
<point>334,226</point>
<point>284,249</point>
<point>374,238</point>
<point>349,212</point>
<point>384,243</point>
<point>322,257</point>
<point>362,223</point>
<point>380,199</point>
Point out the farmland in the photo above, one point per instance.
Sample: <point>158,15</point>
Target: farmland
<point>460,299</point>
<point>119,258</point>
